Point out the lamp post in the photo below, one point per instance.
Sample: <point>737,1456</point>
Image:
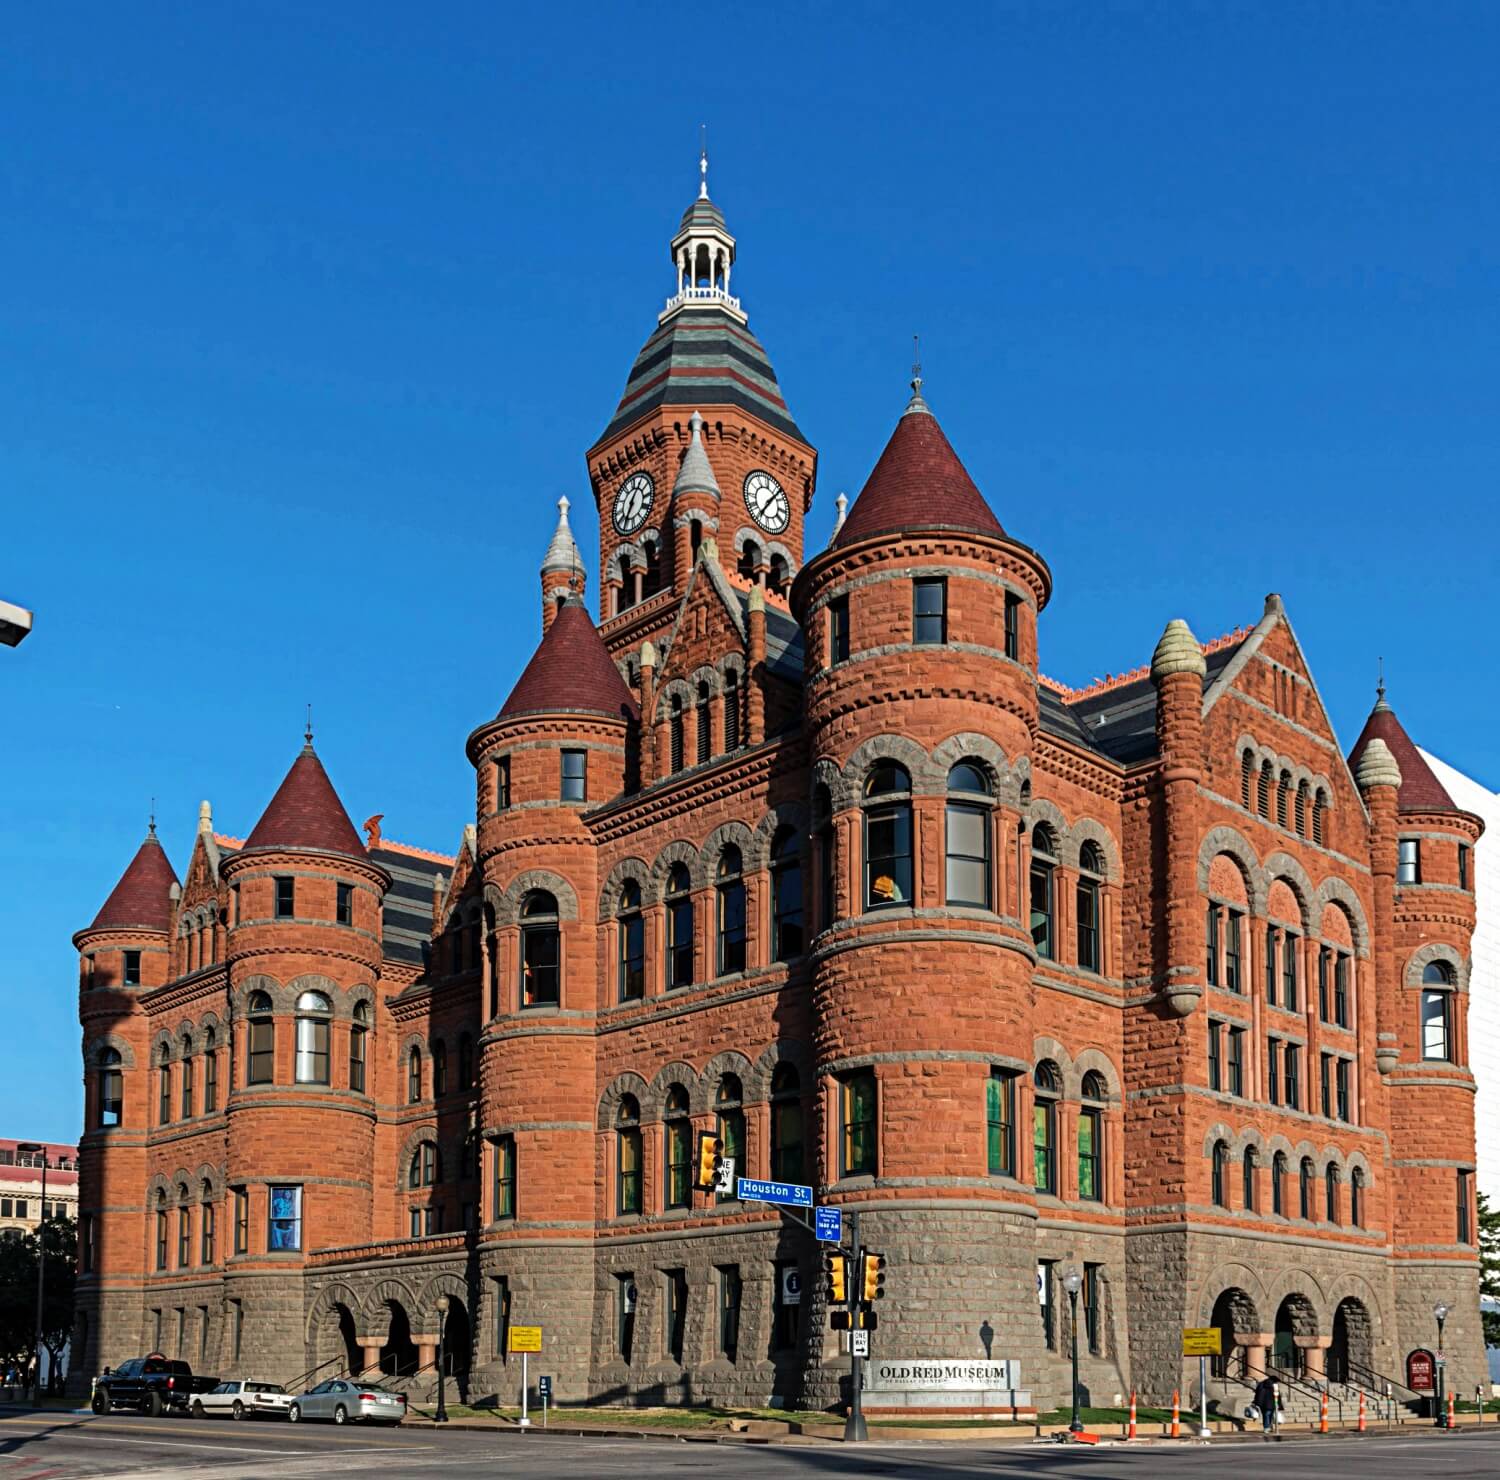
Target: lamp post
<point>441,1416</point>
<point>32,1148</point>
<point>1073,1283</point>
<point>1440,1310</point>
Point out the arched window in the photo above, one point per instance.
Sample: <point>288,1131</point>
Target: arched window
<point>1299,813</point>
<point>968,829</point>
<point>679,927</point>
<point>887,836</point>
<point>206,1221</point>
<point>1046,1091</point>
<point>1319,809</point>
<point>439,1069</point>
<point>786,895</point>
<point>704,726</point>
<point>1305,1176</point>
<point>164,1086</point>
<point>1283,792</point>
<point>426,1166</point>
<point>1090,887</point>
<point>1043,877</point>
<point>628,1155</point>
<point>358,1046</point>
<point>184,1228</point>
<point>678,1138</point>
<point>1247,1179</point>
<point>730,890</point>
<point>161,1227</point>
<point>314,1015</point>
<point>261,1065</point>
<point>749,559</point>
<point>1331,1192</point>
<point>1247,776</point>
<point>823,823</point>
<point>186,1110</point>
<point>541,951</point>
<point>777,577</point>
<point>1278,1184</point>
<point>414,1076</point>
<point>786,1124</point>
<point>731,710</point>
<point>465,1062</point>
<point>111,1109</point>
<point>631,924</point>
<point>1263,790</point>
<point>1091,1137</point>
<point>1357,1197</point>
<point>1220,1189</point>
<point>729,1110</point>
<point>652,582</point>
<point>1437,1011</point>
<point>210,1072</point>
<point>674,729</point>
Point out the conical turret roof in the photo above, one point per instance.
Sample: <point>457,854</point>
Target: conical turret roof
<point>562,553</point>
<point>1420,791</point>
<point>696,475</point>
<point>570,672</point>
<point>142,898</point>
<point>306,813</point>
<point>919,483</point>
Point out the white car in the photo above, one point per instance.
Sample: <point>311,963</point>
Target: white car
<point>243,1400</point>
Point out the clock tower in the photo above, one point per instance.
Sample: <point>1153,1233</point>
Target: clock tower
<point>701,446</point>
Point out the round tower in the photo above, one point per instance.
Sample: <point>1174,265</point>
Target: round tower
<point>557,748</point>
<point>921,706</point>
<point>303,957</point>
<point>123,954</point>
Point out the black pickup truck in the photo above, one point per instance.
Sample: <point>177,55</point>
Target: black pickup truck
<point>151,1384</point>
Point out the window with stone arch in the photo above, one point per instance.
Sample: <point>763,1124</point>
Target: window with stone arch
<point>628,1156</point>
<point>1042,889</point>
<point>1263,790</point>
<point>630,925</point>
<point>426,1168</point>
<point>1278,1184</point>
<point>186,1081</point>
<point>1357,1197</point>
<point>206,1221</point>
<point>359,1031</point>
<point>210,1071</point>
<point>164,1085</point>
<point>786,895</point>
<point>1437,1011</point>
<point>260,1066</point>
<point>110,1102</point>
<point>541,950</point>
<point>1305,1175</point>
<point>1247,778</point>
<point>413,1075</point>
<point>1331,1192</point>
<point>1094,1093</point>
<point>887,820</point>
<point>729,1114</point>
<point>1248,1165</point>
<point>1046,1092</point>
<point>1089,907</point>
<point>786,1124</point>
<point>677,1145</point>
<point>439,1053</point>
<point>703,716</point>
<point>1319,814</point>
<point>1299,813</point>
<point>675,733</point>
<point>314,1024</point>
<point>1219,1174</point>
<point>729,893</point>
<point>731,710</point>
<point>679,926</point>
<point>968,826</point>
<point>1283,796</point>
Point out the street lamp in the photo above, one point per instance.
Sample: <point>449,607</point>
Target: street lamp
<point>441,1416</point>
<point>1440,1310</point>
<point>33,1148</point>
<point>1073,1283</point>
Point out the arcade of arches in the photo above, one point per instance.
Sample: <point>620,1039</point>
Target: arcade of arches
<point>1299,1341</point>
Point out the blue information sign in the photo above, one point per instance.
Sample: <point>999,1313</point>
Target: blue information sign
<point>544,1386</point>
<point>791,1193</point>
<point>828,1224</point>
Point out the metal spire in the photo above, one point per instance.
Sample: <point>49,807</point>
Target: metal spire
<point>1380,685</point>
<point>307,734</point>
<point>916,404</point>
<point>703,161</point>
<point>151,825</point>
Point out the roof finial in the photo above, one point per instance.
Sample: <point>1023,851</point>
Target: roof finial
<point>1380,685</point>
<point>151,825</point>
<point>307,734</point>
<point>703,161</point>
<point>916,403</point>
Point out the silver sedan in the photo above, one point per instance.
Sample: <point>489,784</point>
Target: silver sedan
<point>346,1401</point>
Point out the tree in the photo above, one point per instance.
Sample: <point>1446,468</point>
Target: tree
<point>18,1256</point>
<point>1489,1267</point>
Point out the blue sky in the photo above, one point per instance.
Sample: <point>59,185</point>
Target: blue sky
<point>309,313</point>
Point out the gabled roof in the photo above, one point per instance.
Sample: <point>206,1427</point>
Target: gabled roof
<point>570,672</point>
<point>1420,791</point>
<point>306,813</point>
<point>142,898</point>
<point>919,483</point>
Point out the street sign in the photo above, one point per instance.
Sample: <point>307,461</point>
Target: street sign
<point>859,1343</point>
<point>793,1194</point>
<point>544,1386</point>
<point>1201,1341</point>
<point>724,1176</point>
<point>1420,1370</point>
<point>526,1338</point>
<point>828,1224</point>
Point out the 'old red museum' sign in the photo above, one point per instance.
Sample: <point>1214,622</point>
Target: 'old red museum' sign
<point>1419,1370</point>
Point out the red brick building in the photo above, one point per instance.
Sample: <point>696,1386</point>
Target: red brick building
<point>1143,979</point>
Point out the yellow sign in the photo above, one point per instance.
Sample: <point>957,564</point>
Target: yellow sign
<point>529,1339</point>
<point>1197,1341</point>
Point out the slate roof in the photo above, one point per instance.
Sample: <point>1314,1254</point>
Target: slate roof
<point>918,483</point>
<point>406,920</point>
<point>142,897</point>
<point>702,357</point>
<point>570,672</point>
<point>702,212</point>
<point>306,813</point>
<point>1420,791</point>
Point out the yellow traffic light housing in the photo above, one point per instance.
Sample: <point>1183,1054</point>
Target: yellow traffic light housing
<point>838,1279</point>
<point>872,1277</point>
<point>709,1146</point>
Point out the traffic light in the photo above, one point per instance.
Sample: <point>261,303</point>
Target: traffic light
<point>708,1160</point>
<point>838,1279</point>
<point>872,1277</point>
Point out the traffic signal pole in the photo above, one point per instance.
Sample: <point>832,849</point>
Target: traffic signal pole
<point>854,1424</point>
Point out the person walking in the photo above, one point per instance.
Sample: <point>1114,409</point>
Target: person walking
<point>1265,1400</point>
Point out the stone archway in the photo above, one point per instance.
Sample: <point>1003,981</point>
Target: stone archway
<point>398,1357</point>
<point>1351,1350</point>
<point>458,1343</point>
<point>1236,1317</point>
<point>1296,1336</point>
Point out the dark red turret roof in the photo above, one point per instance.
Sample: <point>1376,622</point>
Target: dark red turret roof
<point>306,813</point>
<point>570,670</point>
<point>919,483</point>
<point>143,895</point>
<point>1421,791</point>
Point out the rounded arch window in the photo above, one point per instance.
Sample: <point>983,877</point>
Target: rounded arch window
<point>1278,1183</point>
<point>729,1111</point>
<point>674,732</point>
<point>358,1046</point>
<point>704,724</point>
<point>730,891</point>
<point>413,1075</point>
<point>1090,922</point>
<point>313,1013</point>
<point>1220,1174</point>
<point>1042,889</point>
<point>541,950</point>
<point>1357,1197</point>
<point>631,925</point>
<point>786,1124</point>
<point>678,1133</point>
<point>732,710</point>
<point>1438,981</point>
<point>261,1063</point>
<point>967,828</point>
<point>628,1162</point>
<point>1331,1192</point>
<point>1248,1163</point>
<point>1305,1175</point>
<point>888,847</point>
<point>426,1167</point>
<point>679,926</point>
<point>1046,1091</point>
<point>111,1109</point>
<point>786,895</point>
<point>438,1050</point>
<point>969,776</point>
<point>1094,1087</point>
<point>186,1088</point>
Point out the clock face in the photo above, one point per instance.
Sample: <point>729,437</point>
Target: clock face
<point>633,502</point>
<point>767,502</point>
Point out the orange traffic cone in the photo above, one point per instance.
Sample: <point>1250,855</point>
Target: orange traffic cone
<point>1176,1413</point>
<point>1450,1410</point>
<point>1361,1410</point>
<point>1130,1432</point>
<point>1323,1412</point>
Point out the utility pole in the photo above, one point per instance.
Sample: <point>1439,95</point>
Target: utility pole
<point>854,1425</point>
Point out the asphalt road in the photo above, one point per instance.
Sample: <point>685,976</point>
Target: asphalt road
<point>73,1447</point>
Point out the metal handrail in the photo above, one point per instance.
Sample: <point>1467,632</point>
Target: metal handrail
<point>1295,1383</point>
<point>299,1384</point>
<point>1383,1383</point>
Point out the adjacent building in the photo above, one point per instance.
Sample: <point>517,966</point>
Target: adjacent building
<point>22,1204</point>
<point>1146,980</point>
